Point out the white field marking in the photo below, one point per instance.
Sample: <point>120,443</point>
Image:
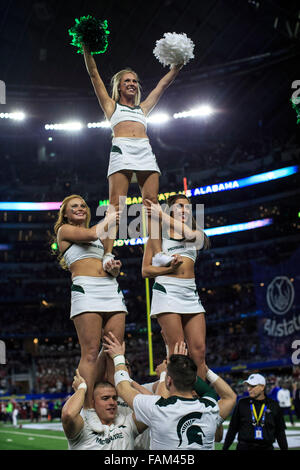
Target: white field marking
<point>44,426</point>
<point>35,435</point>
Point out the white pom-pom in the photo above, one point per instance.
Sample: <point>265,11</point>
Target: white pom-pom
<point>174,49</point>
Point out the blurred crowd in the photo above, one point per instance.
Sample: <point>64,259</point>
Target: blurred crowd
<point>11,411</point>
<point>49,364</point>
<point>47,410</point>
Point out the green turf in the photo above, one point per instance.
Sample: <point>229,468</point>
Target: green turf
<point>31,439</point>
<point>43,439</point>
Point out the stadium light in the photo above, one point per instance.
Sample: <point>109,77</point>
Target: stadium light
<point>204,110</point>
<point>158,118</point>
<point>16,116</point>
<point>64,126</point>
<point>94,125</point>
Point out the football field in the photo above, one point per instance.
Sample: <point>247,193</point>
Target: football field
<point>45,437</point>
<point>50,436</point>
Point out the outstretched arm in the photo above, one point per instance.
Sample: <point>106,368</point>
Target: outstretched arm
<point>116,350</point>
<point>122,380</point>
<point>106,102</point>
<point>152,99</point>
<point>227,395</point>
<point>73,233</point>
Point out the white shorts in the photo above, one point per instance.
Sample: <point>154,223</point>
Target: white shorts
<point>96,294</point>
<point>131,154</point>
<point>175,295</point>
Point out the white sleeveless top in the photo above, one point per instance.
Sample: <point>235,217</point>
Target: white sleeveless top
<point>181,247</point>
<point>118,436</point>
<point>78,251</point>
<point>123,112</point>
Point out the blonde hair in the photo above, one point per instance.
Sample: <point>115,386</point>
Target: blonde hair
<point>115,83</point>
<point>62,219</point>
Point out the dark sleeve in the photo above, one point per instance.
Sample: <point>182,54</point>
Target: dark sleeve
<point>233,427</point>
<point>280,428</point>
<point>203,389</point>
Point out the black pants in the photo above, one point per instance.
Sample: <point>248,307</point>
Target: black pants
<point>288,411</point>
<point>253,446</point>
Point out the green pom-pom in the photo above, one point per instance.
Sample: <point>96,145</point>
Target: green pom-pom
<point>91,32</point>
<point>296,106</point>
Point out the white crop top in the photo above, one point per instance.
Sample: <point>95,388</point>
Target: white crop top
<point>123,112</point>
<point>181,247</point>
<point>78,251</point>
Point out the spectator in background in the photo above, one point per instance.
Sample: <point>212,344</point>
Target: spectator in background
<point>57,409</point>
<point>50,410</point>
<point>285,402</point>
<point>274,390</point>
<point>296,398</point>
<point>35,412</point>
<point>256,419</point>
<point>15,414</point>
<point>9,411</point>
<point>3,412</point>
<point>43,410</point>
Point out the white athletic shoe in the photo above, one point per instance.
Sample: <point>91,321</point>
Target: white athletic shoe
<point>92,419</point>
<point>162,259</point>
<point>106,258</point>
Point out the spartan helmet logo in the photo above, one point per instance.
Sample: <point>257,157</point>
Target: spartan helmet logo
<point>188,429</point>
<point>280,295</point>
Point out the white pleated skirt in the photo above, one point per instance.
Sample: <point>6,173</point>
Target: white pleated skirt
<point>131,154</point>
<point>175,295</point>
<point>96,294</point>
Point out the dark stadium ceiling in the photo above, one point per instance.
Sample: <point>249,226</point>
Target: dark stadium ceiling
<point>246,55</point>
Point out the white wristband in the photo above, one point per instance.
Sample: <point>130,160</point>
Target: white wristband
<point>211,376</point>
<point>120,376</point>
<point>83,385</point>
<point>162,376</point>
<point>119,359</point>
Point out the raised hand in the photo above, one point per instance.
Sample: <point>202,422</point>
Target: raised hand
<point>181,348</point>
<point>77,380</point>
<point>162,367</point>
<point>112,345</point>
<point>153,210</point>
<point>112,216</point>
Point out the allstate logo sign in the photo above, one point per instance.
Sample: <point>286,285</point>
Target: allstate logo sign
<point>280,295</point>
